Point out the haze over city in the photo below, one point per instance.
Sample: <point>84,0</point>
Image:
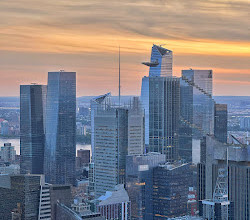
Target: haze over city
<point>84,36</point>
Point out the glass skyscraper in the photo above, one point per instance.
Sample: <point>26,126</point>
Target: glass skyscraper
<point>111,148</point>
<point>220,122</point>
<point>164,112</point>
<point>197,110</point>
<point>32,130</point>
<point>161,64</point>
<point>60,144</point>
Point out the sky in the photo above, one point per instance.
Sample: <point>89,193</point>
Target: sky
<point>83,36</point>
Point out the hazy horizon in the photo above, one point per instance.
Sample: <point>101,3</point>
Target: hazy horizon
<point>84,36</point>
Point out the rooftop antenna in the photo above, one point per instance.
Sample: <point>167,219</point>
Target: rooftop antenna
<point>119,78</point>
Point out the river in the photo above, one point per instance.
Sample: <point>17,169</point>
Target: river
<point>16,144</point>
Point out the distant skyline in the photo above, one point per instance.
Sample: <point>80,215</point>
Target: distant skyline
<point>37,37</point>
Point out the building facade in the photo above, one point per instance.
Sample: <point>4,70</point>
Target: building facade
<point>139,183</point>
<point>220,122</point>
<point>115,204</point>
<point>20,191</point>
<point>110,148</point>
<point>237,166</point>
<point>164,112</point>
<point>8,153</point>
<point>171,184</point>
<point>60,145</point>
<point>136,128</point>
<point>32,128</point>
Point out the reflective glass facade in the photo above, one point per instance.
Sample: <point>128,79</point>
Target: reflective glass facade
<point>203,104</point>
<point>139,183</point>
<point>164,58</point>
<point>32,129</point>
<point>60,145</point>
<point>19,189</point>
<point>145,105</point>
<point>170,190</point>
<point>220,122</point>
<point>111,148</point>
<point>164,112</point>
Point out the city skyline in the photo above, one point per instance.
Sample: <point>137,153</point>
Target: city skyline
<point>84,37</point>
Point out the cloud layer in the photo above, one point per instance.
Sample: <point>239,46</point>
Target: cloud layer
<point>41,36</point>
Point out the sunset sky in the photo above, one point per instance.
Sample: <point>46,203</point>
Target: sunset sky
<point>78,35</point>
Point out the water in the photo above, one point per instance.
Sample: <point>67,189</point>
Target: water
<point>16,144</point>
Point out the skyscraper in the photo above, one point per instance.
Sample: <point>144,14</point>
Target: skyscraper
<point>136,134</point>
<point>111,148</point>
<point>60,145</point>
<point>197,110</point>
<point>171,184</point>
<point>220,122</point>
<point>161,64</point>
<point>32,129</point>
<point>203,104</point>
<point>22,191</point>
<point>97,103</point>
<point>139,183</point>
<point>234,160</point>
<point>164,111</point>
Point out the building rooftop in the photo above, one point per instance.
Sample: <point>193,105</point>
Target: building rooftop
<point>119,195</point>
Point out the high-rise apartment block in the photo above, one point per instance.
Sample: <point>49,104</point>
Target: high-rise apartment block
<point>164,112</point>
<point>60,144</point>
<point>32,128</point>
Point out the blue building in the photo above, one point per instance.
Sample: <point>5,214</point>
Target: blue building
<point>32,129</point>
<point>161,64</point>
<point>60,144</point>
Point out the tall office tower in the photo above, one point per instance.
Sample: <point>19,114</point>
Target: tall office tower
<point>164,111</point>
<point>115,204</point>
<point>32,129</point>
<point>161,64</point>
<point>139,183</point>
<point>22,192</point>
<point>145,105</point>
<point>203,104</point>
<point>186,121</point>
<point>60,145</point>
<point>171,184</point>
<point>111,148</point>
<point>220,122</point>
<point>8,153</point>
<point>235,159</point>
<point>136,134</point>
<point>97,103</point>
